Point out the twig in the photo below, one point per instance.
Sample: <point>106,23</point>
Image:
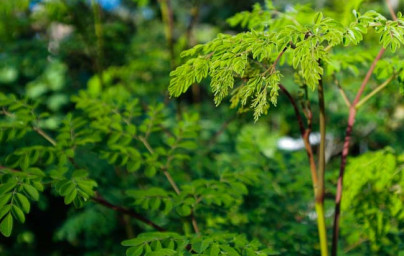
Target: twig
<point>172,182</point>
<point>221,130</point>
<point>10,169</point>
<point>345,152</point>
<point>295,108</point>
<point>271,69</point>
<point>343,94</point>
<point>44,135</point>
<point>374,92</point>
<point>169,178</point>
<point>194,223</point>
<point>98,199</point>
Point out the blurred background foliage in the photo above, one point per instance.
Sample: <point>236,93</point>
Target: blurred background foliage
<point>52,49</point>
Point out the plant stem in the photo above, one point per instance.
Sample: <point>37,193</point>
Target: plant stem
<point>393,15</point>
<point>171,181</point>
<point>295,108</point>
<point>305,134</point>
<point>168,20</point>
<point>343,94</point>
<point>98,199</point>
<point>321,155</point>
<point>374,92</point>
<point>322,231</point>
<point>345,152</point>
<point>98,34</point>
<point>44,135</point>
<point>318,193</point>
<point>194,223</point>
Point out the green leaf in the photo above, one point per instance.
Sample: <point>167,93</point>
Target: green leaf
<point>200,246</point>
<point>23,200</point>
<point>214,250</point>
<point>184,210</point>
<point>4,199</point>
<point>31,191</point>
<point>6,225</point>
<point>18,214</point>
<point>4,210</point>
<point>70,197</point>
<point>318,17</point>
<point>134,251</point>
<point>9,185</point>
<point>161,252</point>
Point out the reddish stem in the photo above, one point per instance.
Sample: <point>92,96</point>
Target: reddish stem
<point>305,133</point>
<point>345,152</point>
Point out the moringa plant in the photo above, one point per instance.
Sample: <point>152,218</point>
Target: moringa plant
<point>249,67</point>
<point>119,160</point>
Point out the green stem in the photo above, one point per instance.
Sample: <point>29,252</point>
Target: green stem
<point>168,20</point>
<point>305,133</point>
<point>322,231</point>
<point>44,135</point>
<point>321,157</point>
<point>374,92</point>
<point>98,34</point>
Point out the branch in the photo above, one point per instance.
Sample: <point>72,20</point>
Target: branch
<point>98,199</point>
<point>169,178</point>
<point>367,77</point>
<point>296,109</point>
<point>374,92</point>
<point>10,169</point>
<point>172,182</point>
<point>305,133</point>
<point>44,135</point>
<point>273,66</point>
<point>345,152</point>
<point>194,223</point>
<point>222,128</point>
<point>343,94</point>
<point>168,20</point>
<point>391,10</point>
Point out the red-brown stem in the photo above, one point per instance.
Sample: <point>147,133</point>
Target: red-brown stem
<point>296,109</point>
<point>345,152</point>
<point>393,15</point>
<point>195,223</point>
<point>305,133</point>
<point>273,66</point>
<point>318,192</point>
<point>98,199</point>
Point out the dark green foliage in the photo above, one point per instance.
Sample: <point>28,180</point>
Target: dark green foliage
<point>93,152</point>
<point>174,244</point>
